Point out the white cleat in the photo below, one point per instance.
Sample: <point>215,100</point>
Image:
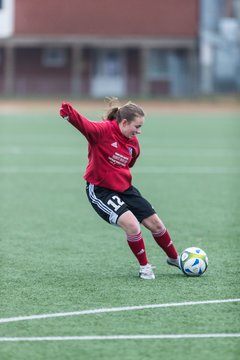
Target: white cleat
<point>146,272</point>
<point>174,262</point>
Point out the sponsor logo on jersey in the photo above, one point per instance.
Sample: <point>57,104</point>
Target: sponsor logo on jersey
<point>118,159</point>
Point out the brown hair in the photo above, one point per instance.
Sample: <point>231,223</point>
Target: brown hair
<point>128,111</point>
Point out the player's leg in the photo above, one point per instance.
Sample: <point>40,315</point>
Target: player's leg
<point>129,223</point>
<point>112,208</point>
<point>162,238</point>
<point>147,216</point>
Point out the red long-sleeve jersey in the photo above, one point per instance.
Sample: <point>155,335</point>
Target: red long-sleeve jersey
<point>110,153</point>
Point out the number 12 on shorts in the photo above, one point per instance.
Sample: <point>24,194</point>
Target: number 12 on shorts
<point>115,202</point>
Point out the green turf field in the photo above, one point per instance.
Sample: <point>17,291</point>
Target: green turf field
<point>58,258</point>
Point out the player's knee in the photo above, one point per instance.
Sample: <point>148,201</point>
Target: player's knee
<point>154,223</point>
<point>158,226</point>
<point>129,223</point>
<point>133,228</point>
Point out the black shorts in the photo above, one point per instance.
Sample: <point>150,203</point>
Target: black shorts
<point>110,204</point>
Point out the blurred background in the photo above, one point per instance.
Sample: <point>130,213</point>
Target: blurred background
<point>130,48</point>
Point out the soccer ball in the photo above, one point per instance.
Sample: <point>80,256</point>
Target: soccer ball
<point>193,261</point>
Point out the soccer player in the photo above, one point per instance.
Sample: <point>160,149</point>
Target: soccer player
<point>113,149</point>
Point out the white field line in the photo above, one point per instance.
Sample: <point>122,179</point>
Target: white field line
<point>76,150</point>
<point>49,169</point>
<point>53,169</point>
<point>120,337</point>
<point>208,170</point>
<point>115,309</point>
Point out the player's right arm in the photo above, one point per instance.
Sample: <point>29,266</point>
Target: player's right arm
<point>93,131</point>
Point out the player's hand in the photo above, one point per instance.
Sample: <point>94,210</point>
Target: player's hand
<point>65,110</point>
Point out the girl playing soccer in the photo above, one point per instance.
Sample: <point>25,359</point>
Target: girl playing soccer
<point>113,149</point>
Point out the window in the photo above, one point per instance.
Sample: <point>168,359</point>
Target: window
<point>111,66</point>
<point>6,18</point>
<point>54,57</point>
<point>108,63</point>
<point>158,65</point>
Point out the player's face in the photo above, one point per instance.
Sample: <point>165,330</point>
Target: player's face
<point>129,129</point>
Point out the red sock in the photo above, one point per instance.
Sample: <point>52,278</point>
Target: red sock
<point>163,239</point>
<point>137,246</point>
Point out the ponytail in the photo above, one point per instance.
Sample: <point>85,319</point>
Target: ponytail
<point>112,114</point>
<point>116,112</point>
<point>113,107</point>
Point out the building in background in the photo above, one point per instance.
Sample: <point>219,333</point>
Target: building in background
<point>128,48</point>
<point>219,45</point>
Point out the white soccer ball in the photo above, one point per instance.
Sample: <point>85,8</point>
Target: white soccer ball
<point>193,261</point>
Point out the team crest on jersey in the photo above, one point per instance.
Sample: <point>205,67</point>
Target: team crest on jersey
<point>130,151</point>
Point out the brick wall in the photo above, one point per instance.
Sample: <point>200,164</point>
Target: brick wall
<point>153,18</point>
